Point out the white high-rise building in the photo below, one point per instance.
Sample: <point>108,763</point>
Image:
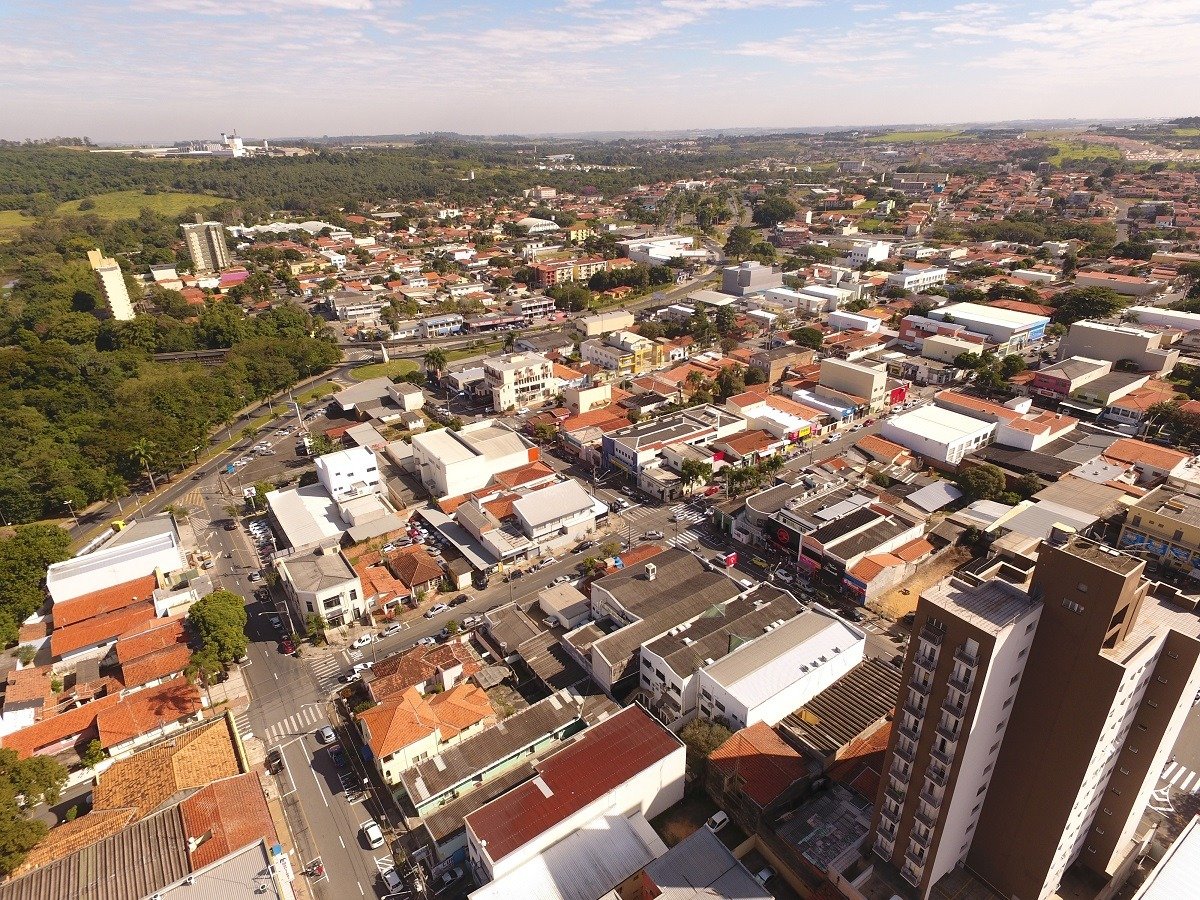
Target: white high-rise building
<point>112,285</point>
<point>206,246</point>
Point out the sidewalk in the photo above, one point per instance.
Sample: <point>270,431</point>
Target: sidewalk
<point>300,886</point>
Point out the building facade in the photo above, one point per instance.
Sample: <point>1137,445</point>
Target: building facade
<point>206,246</point>
<point>518,380</point>
<point>112,285</point>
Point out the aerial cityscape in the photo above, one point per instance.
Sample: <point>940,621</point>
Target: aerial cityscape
<point>583,451</point>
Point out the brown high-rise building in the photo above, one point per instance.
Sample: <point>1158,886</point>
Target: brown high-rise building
<point>1071,707</point>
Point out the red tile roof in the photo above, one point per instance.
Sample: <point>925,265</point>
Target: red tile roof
<point>1131,451</point>
<point>100,628</point>
<point>52,730</point>
<point>149,637</point>
<point>600,759</point>
<point>760,759</point>
<point>106,600</point>
<point>146,710</point>
<point>414,566</point>
<point>168,661</point>
<point>225,816</point>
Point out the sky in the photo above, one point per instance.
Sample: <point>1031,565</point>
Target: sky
<point>166,70</point>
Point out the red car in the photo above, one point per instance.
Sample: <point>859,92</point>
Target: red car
<point>287,646</point>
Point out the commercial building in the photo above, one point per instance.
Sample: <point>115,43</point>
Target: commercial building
<point>321,580</point>
<point>1147,350</point>
<point>355,306</point>
<point>1007,329</point>
<point>917,280</point>
<point>603,323</point>
<point>749,278</point>
<point>556,515</point>
<point>349,473</point>
<point>658,251</point>
<point>1129,285</point>
<point>1164,526</point>
<point>206,246</point>
<point>112,285</point>
<point>701,867</point>
<point>1163,317</point>
<point>1088,680</point>
<point>964,666</point>
<point>864,252</point>
<point>938,434</point>
<point>580,827</point>
<point>635,446</point>
<point>439,326</point>
<point>453,463</point>
<point>869,383</point>
<point>623,352</point>
<point>519,379</point>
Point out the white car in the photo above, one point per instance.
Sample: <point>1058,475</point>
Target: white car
<point>394,628</point>
<point>392,880</point>
<point>436,610</point>
<point>362,667</point>
<point>562,579</point>
<point>373,834</point>
<point>362,641</point>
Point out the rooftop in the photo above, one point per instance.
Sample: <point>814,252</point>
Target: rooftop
<point>106,600</point>
<point>763,764</point>
<point>598,761</point>
<point>148,709</point>
<point>701,867</point>
<point>991,606</point>
<point>318,569</point>
<point>846,709</point>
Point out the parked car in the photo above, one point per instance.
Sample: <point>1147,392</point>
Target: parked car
<point>717,821</point>
<point>362,641</point>
<point>393,882</point>
<point>459,600</point>
<point>427,641</point>
<point>276,622</point>
<point>208,564</point>
<point>562,579</point>
<point>394,628</point>
<point>275,761</point>
<point>286,646</point>
<point>256,576</point>
<point>351,678</point>
<point>448,878</point>
<point>471,621</point>
<point>763,875</point>
<point>436,610</point>
<point>373,834</point>
<point>362,666</point>
<point>653,535</point>
<point>336,754</point>
<point>387,548</point>
<point>325,735</point>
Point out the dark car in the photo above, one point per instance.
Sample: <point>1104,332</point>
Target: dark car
<point>275,761</point>
<point>338,757</point>
<point>231,526</point>
<point>459,600</point>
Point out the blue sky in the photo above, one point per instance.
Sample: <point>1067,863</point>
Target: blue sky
<point>172,69</point>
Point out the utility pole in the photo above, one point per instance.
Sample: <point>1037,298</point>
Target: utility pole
<point>70,508</point>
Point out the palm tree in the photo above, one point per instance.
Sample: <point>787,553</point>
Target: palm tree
<point>114,489</point>
<point>435,361</point>
<point>510,342</point>
<point>141,454</point>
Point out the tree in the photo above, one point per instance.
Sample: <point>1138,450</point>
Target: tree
<point>545,432</point>
<point>693,471</point>
<point>773,210</point>
<point>33,780</point>
<point>1028,485</point>
<point>24,556</point>
<point>807,337</point>
<point>141,454</point>
<point>968,360</point>
<point>981,482</point>
<point>1074,304</point>
<point>1012,364</point>
<point>93,754</point>
<point>315,624</point>
<point>739,242</point>
<point>219,622</point>
<point>701,738</point>
<point>435,361</point>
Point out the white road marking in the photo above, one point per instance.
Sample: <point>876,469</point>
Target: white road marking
<point>360,890</point>
<point>1167,771</point>
<point>340,841</point>
<point>1184,784</point>
<point>1176,776</point>
<point>317,782</point>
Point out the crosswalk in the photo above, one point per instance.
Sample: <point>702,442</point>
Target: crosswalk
<point>326,670</point>
<point>1180,778</point>
<point>242,721</point>
<point>193,499</point>
<point>302,722</point>
<point>685,512</point>
<point>685,539</point>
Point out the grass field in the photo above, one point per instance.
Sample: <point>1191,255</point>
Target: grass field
<point>11,221</point>
<point>1186,132</point>
<point>914,137</point>
<point>1077,150</point>
<point>128,204</point>
<point>391,369</point>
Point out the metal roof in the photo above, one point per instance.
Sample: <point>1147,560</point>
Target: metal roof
<point>846,709</point>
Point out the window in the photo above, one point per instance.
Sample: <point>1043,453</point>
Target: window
<point>994,748</point>
<point>1081,587</point>
<point>1032,625</point>
<point>1152,704</point>
<point>1074,607</point>
<point>1172,654</point>
<point>988,768</point>
<point>1008,702</point>
<point>353,594</point>
<point>720,706</point>
<point>1116,791</point>
<point>646,663</point>
<point>1024,650</point>
<point>1141,727</point>
<point>332,603</point>
<point>1160,679</point>
<point>982,788</point>
<point>1124,771</point>
<point>1099,830</point>
<point>1014,679</point>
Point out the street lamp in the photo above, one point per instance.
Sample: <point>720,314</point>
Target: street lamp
<point>71,509</point>
<point>299,418</point>
<point>195,451</point>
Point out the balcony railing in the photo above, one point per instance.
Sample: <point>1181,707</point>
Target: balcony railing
<point>916,856</point>
<point>966,657</point>
<point>887,830</point>
<point>933,636</point>
<point>920,687</point>
<point>954,708</point>
<point>960,684</point>
<point>909,731</point>
<point>917,712</point>
<point>905,751</point>
<point>895,793</point>
<point>931,798</point>
<point>950,734</point>
<point>938,775</point>
<point>926,818</point>
<point>926,661</point>
<point>921,840</point>
<point>944,758</point>
<point>911,875</point>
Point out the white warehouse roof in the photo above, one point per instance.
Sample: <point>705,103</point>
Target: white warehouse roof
<point>943,426</point>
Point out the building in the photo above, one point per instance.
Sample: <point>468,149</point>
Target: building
<point>322,580</point>
<point>701,867</point>
<point>454,463</point>
<point>623,352</point>
<point>1007,329</point>
<point>439,326</point>
<point>963,669</point>
<point>519,379</point>
<point>1145,350</point>
<point>749,278</point>
<point>556,515</point>
<point>917,280</point>
<point>593,799</point>
<point>206,246</point>
<point>1089,679</point>
<point>349,473</point>
<point>868,383</point>
<point>355,306</point>
<point>1164,526</point>
<point>937,434</point>
<point>531,308</point>
<point>112,285</point>
<point>1163,317</point>
<point>635,446</point>
<point>1129,285</point>
<point>776,362</point>
<point>604,322</point>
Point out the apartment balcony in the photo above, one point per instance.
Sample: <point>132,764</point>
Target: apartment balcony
<point>899,772</point>
<point>954,708</point>
<point>895,793</point>
<point>913,734</point>
<point>883,848</point>
<point>926,817</point>
<point>949,733</point>
<point>971,660</point>
<point>887,830</point>
<point>959,684</point>
<point>944,758</point>
<point>906,752</point>
<point>931,798</point>
<point>926,661</point>
<point>921,840</point>
<point>911,875</point>
<point>932,636</point>
<point>921,688</point>
<point>917,712</point>
<point>916,856</point>
<point>938,775</point>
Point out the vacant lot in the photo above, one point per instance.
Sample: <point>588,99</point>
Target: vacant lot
<point>391,369</point>
<point>1078,150</point>
<point>129,204</point>
<point>11,220</point>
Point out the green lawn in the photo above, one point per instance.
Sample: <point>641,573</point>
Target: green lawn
<point>1069,150</point>
<point>1186,132</point>
<point>317,390</point>
<point>391,369</point>
<point>914,137</point>
<point>128,204</point>
<point>11,221</point>
<point>467,352</point>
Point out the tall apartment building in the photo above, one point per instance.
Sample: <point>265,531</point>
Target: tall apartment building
<point>112,285</point>
<point>518,379</point>
<point>1071,702</point>
<point>970,643</point>
<point>206,245</point>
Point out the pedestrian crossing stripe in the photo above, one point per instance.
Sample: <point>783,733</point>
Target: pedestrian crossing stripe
<point>242,721</point>
<point>193,498</point>
<point>300,722</point>
<point>1180,778</point>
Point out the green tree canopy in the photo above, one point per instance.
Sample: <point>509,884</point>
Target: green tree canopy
<point>219,622</point>
<point>980,482</point>
<point>773,210</point>
<point>1075,304</point>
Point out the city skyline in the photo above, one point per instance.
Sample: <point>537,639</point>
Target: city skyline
<point>152,70</point>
